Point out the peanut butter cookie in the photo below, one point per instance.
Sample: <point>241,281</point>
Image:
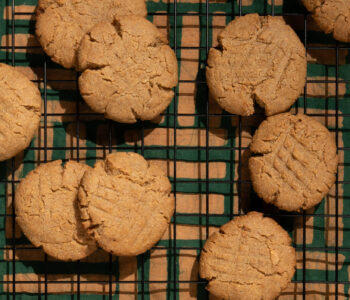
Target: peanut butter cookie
<point>259,59</point>
<point>333,16</point>
<point>128,70</point>
<point>251,257</point>
<point>125,204</point>
<point>20,106</point>
<point>296,163</point>
<point>61,24</point>
<point>47,210</point>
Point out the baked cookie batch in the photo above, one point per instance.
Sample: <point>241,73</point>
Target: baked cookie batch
<point>128,72</point>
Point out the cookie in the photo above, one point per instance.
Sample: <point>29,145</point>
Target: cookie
<point>61,24</point>
<point>251,257</point>
<point>20,105</point>
<point>259,59</point>
<point>128,70</point>
<point>125,204</point>
<point>296,161</point>
<point>47,210</point>
<point>332,16</point>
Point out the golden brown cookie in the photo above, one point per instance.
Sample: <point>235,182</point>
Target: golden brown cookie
<point>47,210</point>
<point>251,257</point>
<point>333,16</point>
<point>20,106</point>
<point>125,204</point>
<point>61,24</point>
<point>259,59</point>
<point>128,70</point>
<point>296,163</point>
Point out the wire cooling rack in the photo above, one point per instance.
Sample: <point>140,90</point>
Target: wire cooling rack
<point>170,270</point>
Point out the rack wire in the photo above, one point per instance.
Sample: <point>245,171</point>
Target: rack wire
<point>331,284</point>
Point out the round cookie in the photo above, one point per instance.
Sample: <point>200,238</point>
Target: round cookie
<point>333,16</point>
<point>296,161</point>
<point>61,24</point>
<point>128,70</point>
<point>47,210</point>
<point>251,257</point>
<point>20,106</point>
<point>259,59</point>
<point>125,204</point>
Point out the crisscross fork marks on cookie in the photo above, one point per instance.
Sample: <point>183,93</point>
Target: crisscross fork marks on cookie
<point>291,164</point>
<point>20,106</point>
<point>106,198</point>
<point>293,169</point>
<point>298,161</point>
<point>131,232</point>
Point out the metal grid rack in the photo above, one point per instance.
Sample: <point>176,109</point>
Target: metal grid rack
<point>172,114</point>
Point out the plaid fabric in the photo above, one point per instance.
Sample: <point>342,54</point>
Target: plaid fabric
<point>203,150</point>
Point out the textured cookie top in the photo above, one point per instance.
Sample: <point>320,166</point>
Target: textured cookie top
<point>259,59</point>
<point>297,161</point>
<point>251,257</point>
<point>61,24</point>
<point>126,204</point>
<point>333,16</point>
<point>47,210</point>
<point>20,106</point>
<point>128,70</point>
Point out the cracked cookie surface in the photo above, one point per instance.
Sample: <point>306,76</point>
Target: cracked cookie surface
<point>61,24</point>
<point>259,59</point>
<point>125,204</point>
<point>47,210</point>
<point>333,16</point>
<point>251,257</point>
<point>20,107</point>
<point>128,68</point>
<point>296,163</point>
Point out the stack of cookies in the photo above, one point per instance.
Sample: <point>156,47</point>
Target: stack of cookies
<point>127,68</point>
<point>123,204</point>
